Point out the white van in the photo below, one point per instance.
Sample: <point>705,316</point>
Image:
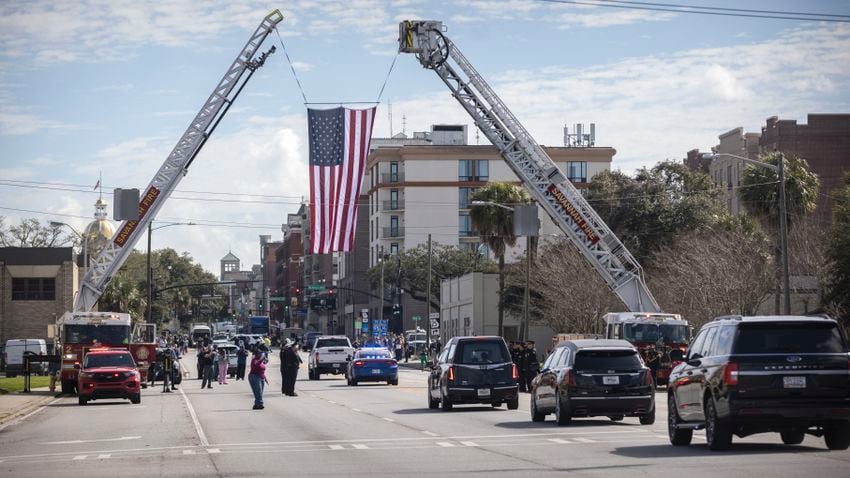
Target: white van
<point>14,356</point>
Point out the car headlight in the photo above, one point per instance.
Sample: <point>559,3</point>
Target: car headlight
<point>69,357</point>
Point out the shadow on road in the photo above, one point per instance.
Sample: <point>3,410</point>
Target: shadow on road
<point>549,424</point>
<point>456,409</point>
<point>92,404</point>
<point>665,451</point>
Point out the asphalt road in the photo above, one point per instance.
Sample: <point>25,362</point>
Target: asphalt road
<point>369,430</point>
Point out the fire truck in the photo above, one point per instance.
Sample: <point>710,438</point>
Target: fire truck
<point>81,329</point>
<point>78,332</point>
<point>660,338</point>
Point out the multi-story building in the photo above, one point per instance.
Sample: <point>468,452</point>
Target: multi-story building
<point>725,171</point>
<point>289,278</point>
<point>320,276</point>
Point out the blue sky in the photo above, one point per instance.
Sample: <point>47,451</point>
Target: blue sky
<point>109,86</point>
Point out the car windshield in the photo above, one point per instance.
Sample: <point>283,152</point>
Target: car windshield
<point>796,338</point>
<point>373,354</point>
<point>109,360</point>
<point>103,334</point>
<point>482,352</point>
<point>332,343</point>
<point>607,360</point>
<point>669,333</point>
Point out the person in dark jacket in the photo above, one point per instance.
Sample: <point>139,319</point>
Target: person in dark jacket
<point>284,358</point>
<point>241,361</point>
<point>293,362</point>
<point>530,364</point>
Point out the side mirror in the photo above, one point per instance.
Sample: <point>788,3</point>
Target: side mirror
<point>695,361</point>
<point>545,370</point>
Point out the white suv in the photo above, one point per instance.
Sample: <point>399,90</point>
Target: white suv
<point>330,354</point>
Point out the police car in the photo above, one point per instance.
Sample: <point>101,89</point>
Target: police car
<point>372,365</point>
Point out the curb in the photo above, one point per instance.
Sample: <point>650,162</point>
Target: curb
<point>35,403</point>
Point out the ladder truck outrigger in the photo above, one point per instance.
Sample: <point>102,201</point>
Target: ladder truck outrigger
<point>164,182</point>
<point>538,173</point>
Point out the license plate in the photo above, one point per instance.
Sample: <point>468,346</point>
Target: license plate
<point>611,380</point>
<point>376,371</point>
<point>483,392</point>
<point>336,365</point>
<point>794,382</point>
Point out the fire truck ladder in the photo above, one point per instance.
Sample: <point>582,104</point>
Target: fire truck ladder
<point>540,175</point>
<point>176,165</point>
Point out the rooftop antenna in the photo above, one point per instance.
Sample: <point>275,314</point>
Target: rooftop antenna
<point>390,113</point>
<point>404,124</point>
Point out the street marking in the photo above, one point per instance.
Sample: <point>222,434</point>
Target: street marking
<point>201,435</point>
<point>445,444</point>
<point>104,456</point>
<point>389,419</point>
<point>331,401</point>
<point>188,452</point>
<point>80,457</point>
<point>468,443</point>
<point>430,434</point>
<point>585,440</point>
<point>355,409</point>
<point>559,441</point>
<point>336,447</point>
<point>359,446</point>
<point>74,442</point>
<point>213,451</point>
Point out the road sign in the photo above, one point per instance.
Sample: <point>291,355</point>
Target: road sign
<point>435,324</point>
<point>316,287</point>
<point>277,299</point>
<point>417,318</point>
<point>435,332</point>
<point>434,315</point>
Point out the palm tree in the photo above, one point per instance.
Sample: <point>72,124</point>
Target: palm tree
<point>121,295</point>
<point>495,224</point>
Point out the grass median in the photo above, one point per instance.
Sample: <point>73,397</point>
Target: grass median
<point>16,384</point>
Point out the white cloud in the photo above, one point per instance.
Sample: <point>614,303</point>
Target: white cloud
<point>302,66</point>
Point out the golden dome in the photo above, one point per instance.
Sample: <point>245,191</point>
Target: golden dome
<point>100,231</point>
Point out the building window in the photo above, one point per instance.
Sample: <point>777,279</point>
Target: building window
<point>577,171</point>
<point>393,199</point>
<point>463,195</point>
<point>473,170</point>
<point>394,172</point>
<point>34,289</point>
<point>464,227</point>
<point>394,226</point>
<point>394,248</point>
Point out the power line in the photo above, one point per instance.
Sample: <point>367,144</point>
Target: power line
<point>725,9</point>
<point>707,11</point>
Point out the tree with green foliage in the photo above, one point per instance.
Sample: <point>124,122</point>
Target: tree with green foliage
<point>495,224</point>
<point>646,212</point>
<point>409,270</point>
<point>837,287</point>
<point>760,191</point>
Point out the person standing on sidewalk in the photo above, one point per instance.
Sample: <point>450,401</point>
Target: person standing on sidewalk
<point>283,361</point>
<point>241,361</point>
<point>257,377</point>
<point>293,362</point>
<point>223,362</point>
<point>206,358</point>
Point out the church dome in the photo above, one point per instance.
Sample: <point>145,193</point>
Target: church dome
<point>99,232</point>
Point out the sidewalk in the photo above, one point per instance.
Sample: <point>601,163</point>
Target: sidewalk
<point>16,404</point>
<point>412,365</point>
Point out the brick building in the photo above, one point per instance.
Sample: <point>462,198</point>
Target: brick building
<point>289,275</point>
<point>37,285</point>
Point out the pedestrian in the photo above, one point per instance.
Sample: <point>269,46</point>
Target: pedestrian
<point>283,359</point>
<point>53,368</point>
<point>293,363</point>
<point>399,346</point>
<point>532,366</point>
<point>207,372</point>
<point>522,358</point>
<point>241,361</point>
<point>257,377</point>
<point>223,361</point>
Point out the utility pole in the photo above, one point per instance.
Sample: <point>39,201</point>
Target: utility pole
<point>150,274</point>
<point>783,235</point>
<point>381,305</point>
<point>428,299</point>
<point>524,331</point>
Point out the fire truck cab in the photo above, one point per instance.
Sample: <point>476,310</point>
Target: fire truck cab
<point>659,337</point>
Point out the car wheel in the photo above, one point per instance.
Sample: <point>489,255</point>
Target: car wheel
<point>678,436</point>
<point>394,382</point>
<point>513,403</point>
<point>82,401</point>
<point>648,418</point>
<point>616,418</point>
<point>353,382</point>
<point>792,437</point>
<point>445,402</point>
<point>136,399</point>
<point>562,417</point>
<point>432,404</point>
<point>837,435</point>
<point>535,415</point>
<point>718,435</point>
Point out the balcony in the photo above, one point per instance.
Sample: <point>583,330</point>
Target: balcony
<point>389,178</point>
<point>393,232</point>
<point>397,205</point>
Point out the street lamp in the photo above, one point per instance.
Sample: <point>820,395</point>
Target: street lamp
<point>523,332</point>
<point>84,239</point>
<point>783,219</point>
<point>149,271</point>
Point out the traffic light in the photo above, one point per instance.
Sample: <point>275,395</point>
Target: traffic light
<point>260,306</point>
<point>396,311</point>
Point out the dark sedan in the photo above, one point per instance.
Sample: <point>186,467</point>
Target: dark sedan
<point>586,378</point>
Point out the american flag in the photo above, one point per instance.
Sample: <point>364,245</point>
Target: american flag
<point>339,147</point>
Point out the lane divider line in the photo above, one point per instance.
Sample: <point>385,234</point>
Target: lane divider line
<point>389,419</point>
<point>80,457</point>
<point>585,440</point>
<point>202,437</point>
<point>213,451</point>
<point>468,443</point>
<point>445,444</point>
<point>430,434</point>
<point>188,452</point>
<point>336,447</point>
<point>560,441</point>
<point>104,456</point>
<point>359,446</point>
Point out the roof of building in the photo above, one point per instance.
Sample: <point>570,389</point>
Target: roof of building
<point>36,256</point>
<point>229,257</point>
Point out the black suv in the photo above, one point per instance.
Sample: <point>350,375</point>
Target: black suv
<point>474,370</point>
<point>747,375</point>
<point>586,378</point>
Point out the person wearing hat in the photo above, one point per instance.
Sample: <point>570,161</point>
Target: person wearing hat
<point>290,370</point>
<point>283,361</point>
<point>257,377</point>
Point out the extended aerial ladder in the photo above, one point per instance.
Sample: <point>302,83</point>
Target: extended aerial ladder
<point>538,173</point>
<point>176,165</point>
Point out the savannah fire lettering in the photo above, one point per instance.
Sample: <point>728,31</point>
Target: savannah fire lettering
<point>573,213</point>
<point>130,226</point>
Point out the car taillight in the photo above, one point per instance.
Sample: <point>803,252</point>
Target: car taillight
<point>647,377</point>
<point>571,378</point>
<point>515,373</point>
<point>730,374</point>
<point>359,363</point>
<point>451,374</point>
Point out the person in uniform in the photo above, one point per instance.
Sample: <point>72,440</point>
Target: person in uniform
<point>293,362</point>
<point>530,365</point>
